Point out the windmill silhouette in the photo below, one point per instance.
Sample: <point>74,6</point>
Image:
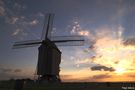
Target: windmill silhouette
<point>49,56</point>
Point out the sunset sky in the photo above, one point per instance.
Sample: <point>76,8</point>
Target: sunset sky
<point>108,26</point>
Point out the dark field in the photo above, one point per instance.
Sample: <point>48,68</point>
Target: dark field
<point>9,85</point>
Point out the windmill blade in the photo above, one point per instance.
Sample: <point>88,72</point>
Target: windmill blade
<point>70,43</point>
<point>60,38</point>
<point>63,41</point>
<point>68,40</point>
<point>47,28</point>
<point>28,43</point>
<point>24,46</point>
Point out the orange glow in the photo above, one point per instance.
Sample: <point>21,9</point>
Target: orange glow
<point>120,71</point>
<point>111,52</point>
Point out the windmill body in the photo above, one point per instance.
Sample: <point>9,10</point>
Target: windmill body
<point>49,56</point>
<point>49,59</point>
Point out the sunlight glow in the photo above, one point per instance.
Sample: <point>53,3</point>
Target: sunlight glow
<point>120,71</point>
<point>110,51</point>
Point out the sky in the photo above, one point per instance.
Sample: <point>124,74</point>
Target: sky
<point>108,53</point>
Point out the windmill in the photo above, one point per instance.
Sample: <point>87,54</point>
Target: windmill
<point>49,56</point>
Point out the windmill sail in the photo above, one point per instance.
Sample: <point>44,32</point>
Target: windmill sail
<point>29,43</point>
<point>68,40</point>
<point>70,43</point>
<point>58,40</point>
<point>24,46</point>
<point>47,28</point>
<point>77,37</point>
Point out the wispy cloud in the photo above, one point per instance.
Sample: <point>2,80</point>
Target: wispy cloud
<point>2,8</point>
<point>7,73</point>
<point>76,29</point>
<point>9,70</point>
<point>12,20</point>
<point>5,70</point>
<point>16,32</point>
<point>102,76</point>
<point>2,11</point>
<point>84,75</point>
<point>34,22</point>
<point>84,61</point>
<point>12,15</point>
<point>17,70</point>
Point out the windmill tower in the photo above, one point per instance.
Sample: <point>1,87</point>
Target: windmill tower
<point>49,56</point>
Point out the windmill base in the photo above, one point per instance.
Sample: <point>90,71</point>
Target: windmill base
<point>49,79</point>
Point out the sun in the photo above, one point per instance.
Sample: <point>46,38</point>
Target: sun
<point>120,70</point>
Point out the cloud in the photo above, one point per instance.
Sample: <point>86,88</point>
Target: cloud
<point>7,76</point>
<point>40,14</point>
<point>132,75</point>
<point>84,61</point>
<point>16,32</point>
<point>65,77</point>
<point>5,70</point>
<point>19,6</point>
<point>110,51</point>
<point>34,22</point>
<point>68,78</point>
<point>17,70</point>
<point>8,13</point>
<point>9,70</point>
<point>76,29</point>
<point>130,41</point>
<point>2,9</point>
<point>83,33</point>
<point>85,76</point>
<point>102,68</point>
<point>102,76</point>
<point>22,24</point>
<point>12,19</point>
<point>7,73</point>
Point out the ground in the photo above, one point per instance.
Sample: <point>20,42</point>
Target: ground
<point>9,85</point>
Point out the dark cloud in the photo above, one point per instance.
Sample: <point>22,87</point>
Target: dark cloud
<point>102,76</point>
<point>133,76</point>
<point>5,70</point>
<point>9,70</point>
<point>7,76</point>
<point>7,73</point>
<point>4,76</point>
<point>100,68</point>
<point>85,79</point>
<point>17,70</point>
<point>130,41</point>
